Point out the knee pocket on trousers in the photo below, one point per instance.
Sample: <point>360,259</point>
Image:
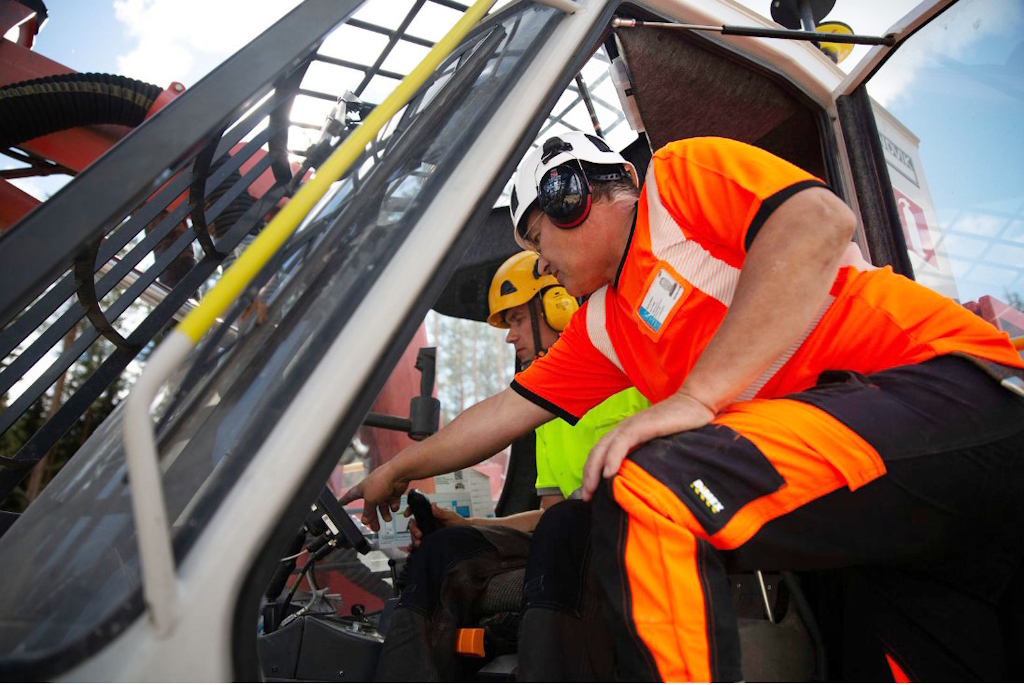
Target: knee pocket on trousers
<point>713,470</point>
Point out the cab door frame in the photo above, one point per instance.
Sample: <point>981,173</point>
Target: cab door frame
<point>883,231</point>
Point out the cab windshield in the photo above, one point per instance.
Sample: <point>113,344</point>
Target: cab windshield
<point>76,583</point>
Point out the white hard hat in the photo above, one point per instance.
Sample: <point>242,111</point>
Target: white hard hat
<point>572,146</point>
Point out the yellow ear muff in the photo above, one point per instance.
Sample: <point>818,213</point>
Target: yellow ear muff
<point>558,307</point>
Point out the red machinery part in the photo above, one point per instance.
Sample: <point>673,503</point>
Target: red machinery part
<point>29,16</point>
<point>73,148</point>
<point>169,93</point>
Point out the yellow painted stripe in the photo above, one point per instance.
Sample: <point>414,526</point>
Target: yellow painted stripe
<point>241,273</point>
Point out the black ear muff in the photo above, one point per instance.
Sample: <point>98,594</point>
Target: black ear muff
<point>558,307</point>
<point>564,195</point>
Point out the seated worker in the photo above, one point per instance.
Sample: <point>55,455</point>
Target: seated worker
<point>808,411</point>
<point>563,635</point>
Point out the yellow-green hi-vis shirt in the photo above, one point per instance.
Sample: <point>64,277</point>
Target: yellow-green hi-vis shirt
<point>562,449</point>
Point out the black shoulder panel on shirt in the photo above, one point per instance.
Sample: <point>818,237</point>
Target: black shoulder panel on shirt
<point>772,203</point>
<point>544,404</point>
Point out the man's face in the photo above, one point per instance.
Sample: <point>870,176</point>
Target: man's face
<point>520,333</point>
<point>565,253</point>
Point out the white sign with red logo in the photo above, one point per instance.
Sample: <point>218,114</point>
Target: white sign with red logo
<point>921,227</point>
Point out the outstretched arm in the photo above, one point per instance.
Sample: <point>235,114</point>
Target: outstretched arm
<point>477,433</point>
<point>784,281</point>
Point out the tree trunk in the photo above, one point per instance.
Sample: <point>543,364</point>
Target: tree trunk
<point>35,479</point>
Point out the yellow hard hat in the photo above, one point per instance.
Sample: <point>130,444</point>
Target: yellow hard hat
<point>517,281</point>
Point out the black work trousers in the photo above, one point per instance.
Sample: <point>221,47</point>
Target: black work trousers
<point>563,635</point>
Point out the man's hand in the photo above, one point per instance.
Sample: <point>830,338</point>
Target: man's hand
<point>443,517</point>
<point>680,412</point>
<point>379,490</point>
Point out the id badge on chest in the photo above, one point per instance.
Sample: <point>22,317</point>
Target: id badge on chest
<point>664,292</point>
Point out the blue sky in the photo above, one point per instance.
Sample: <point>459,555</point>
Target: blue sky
<point>181,40</point>
<point>83,36</point>
<point>158,41</point>
<point>162,41</point>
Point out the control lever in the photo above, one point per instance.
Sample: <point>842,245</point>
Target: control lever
<point>424,409</point>
<point>422,511</point>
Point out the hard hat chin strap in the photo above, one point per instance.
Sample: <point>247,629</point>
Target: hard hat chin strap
<point>535,324</point>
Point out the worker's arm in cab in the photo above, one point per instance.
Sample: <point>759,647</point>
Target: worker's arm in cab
<point>524,521</point>
<point>477,433</point>
<point>785,279</point>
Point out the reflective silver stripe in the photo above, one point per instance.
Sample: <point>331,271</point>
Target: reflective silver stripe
<point>1014,385</point>
<point>710,275</point>
<point>780,361</point>
<point>597,327</point>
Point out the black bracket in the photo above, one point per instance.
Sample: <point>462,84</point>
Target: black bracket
<point>424,409</point>
<point>85,286</point>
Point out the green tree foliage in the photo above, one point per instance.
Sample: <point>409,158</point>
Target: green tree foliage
<point>473,362</point>
<point>11,441</point>
<point>34,418</point>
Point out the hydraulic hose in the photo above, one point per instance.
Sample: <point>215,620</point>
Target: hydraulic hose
<point>37,107</point>
<point>238,206</point>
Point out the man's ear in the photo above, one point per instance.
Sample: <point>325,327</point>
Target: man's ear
<point>632,174</point>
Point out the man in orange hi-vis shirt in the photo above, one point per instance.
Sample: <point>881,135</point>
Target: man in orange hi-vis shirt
<point>808,410</point>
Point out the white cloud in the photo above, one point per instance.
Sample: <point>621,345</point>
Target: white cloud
<point>182,40</point>
<point>962,27</point>
<point>39,187</point>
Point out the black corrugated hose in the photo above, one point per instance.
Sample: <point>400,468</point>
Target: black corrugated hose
<point>37,107</point>
<point>238,206</point>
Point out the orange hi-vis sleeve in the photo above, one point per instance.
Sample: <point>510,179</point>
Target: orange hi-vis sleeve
<point>574,376</point>
<point>718,191</point>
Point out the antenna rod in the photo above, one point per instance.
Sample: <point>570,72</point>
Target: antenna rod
<point>589,102</point>
<point>815,36</point>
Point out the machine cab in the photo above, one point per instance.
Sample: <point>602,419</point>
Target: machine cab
<point>920,139</point>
